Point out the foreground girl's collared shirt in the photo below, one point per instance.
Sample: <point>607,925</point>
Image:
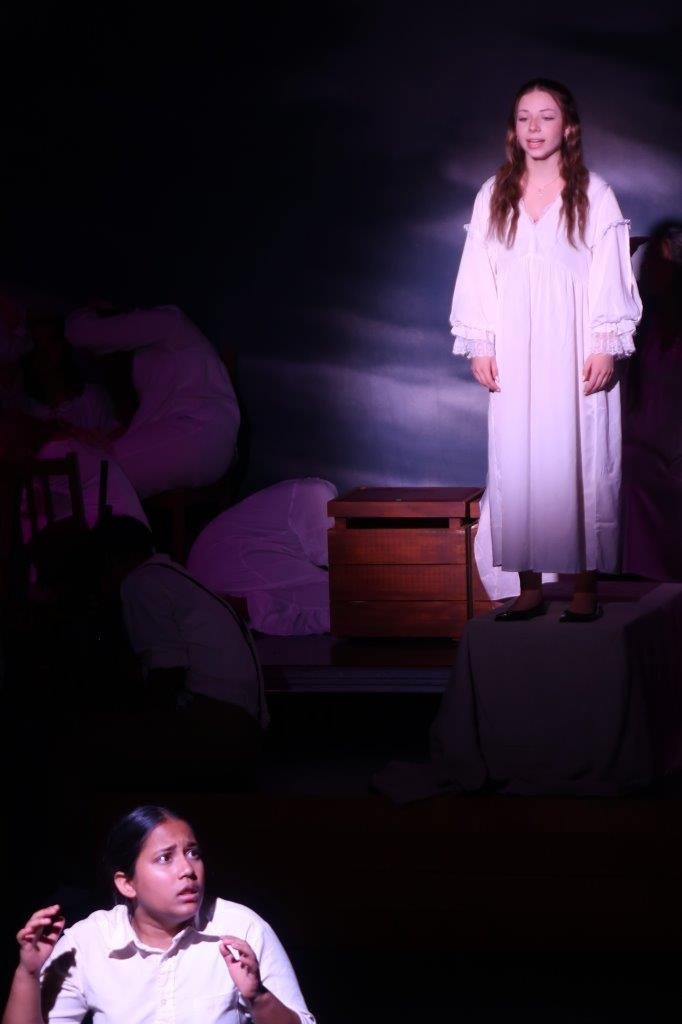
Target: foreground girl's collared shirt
<point>100,964</point>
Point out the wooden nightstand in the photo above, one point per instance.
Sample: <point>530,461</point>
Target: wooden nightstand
<point>401,561</point>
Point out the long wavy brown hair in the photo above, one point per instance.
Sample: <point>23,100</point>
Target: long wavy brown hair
<point>507,190</point>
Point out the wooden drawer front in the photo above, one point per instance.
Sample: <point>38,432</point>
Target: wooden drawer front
<point>398,618</point>
<point>398,582</point>
<point>396,547</point>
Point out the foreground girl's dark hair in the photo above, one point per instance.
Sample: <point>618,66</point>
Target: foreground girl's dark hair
<point>127,837</point>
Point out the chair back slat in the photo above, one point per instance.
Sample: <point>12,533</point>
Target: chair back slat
<point>48,503</point>
<point>31,504</point>
<point>76,489</point>
<point>103,487</point>
<point>39,472</point>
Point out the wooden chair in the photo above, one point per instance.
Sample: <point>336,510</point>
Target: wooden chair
<point>35,476</point>
<point>26,497</point>
<point>34,480</point>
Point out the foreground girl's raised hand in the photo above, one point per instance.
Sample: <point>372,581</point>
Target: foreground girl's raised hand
<point>484,369</point>
<point>242,964</point>
<point>38,937</point>
<point>36,941</point>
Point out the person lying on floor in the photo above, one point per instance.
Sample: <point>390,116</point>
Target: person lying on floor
<point>184,431</point>
<point>193,647</point>
<point>271,550</point>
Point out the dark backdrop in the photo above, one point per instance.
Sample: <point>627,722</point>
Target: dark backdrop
<point>296,177</point>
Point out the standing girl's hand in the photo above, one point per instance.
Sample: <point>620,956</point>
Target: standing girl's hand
<point>38,936</point>
<point>484,369</point>
<point>597,372</point>
<point>244,969</point>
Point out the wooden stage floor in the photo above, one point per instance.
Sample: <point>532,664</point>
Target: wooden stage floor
<point>324,664</point>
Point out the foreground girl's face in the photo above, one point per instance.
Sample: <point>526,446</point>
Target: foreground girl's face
<point>539,125</point>
<point>169,873</point>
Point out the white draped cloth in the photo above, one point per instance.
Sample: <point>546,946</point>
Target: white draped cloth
<point>541,308</point>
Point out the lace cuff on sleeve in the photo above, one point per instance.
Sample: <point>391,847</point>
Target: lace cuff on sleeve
<point>614,339</point>
<point>472,341</point>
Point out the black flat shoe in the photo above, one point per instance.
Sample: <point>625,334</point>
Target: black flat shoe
<point>520,615</point>
<point>569,616</point>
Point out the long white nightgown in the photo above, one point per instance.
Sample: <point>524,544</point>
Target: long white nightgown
<point>542,307</point>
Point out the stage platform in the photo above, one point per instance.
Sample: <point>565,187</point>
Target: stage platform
<point>326,664</point>
<point>543,706</point>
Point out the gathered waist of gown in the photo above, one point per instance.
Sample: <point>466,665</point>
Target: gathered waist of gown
<point>513,262</point>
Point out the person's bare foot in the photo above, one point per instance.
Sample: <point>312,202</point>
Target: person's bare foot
<point>583,603</point>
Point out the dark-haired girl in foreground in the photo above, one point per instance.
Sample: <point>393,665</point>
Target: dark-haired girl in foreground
<point>162,956</point>
<point>545,300</point>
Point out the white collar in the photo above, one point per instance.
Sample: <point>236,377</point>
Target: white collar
<point>123,940</point>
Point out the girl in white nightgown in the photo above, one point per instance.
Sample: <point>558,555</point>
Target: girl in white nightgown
<point>545,301</point>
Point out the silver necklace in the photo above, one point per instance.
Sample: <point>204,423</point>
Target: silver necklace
<point>540,189</point>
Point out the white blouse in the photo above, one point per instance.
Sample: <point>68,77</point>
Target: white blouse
<point>99,964</point>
